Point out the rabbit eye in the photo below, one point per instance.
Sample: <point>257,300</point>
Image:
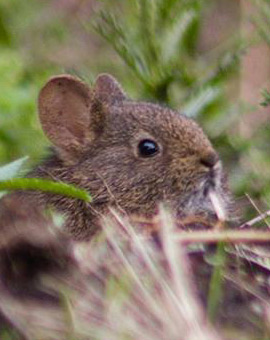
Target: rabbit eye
<point>147,148</point>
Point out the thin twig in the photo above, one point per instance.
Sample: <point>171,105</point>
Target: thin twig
<point>255,220</point>
<point>257,209</point>
<point>230,236</point>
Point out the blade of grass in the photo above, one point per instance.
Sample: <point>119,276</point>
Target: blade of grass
<point>229,236</point>
<point>147,30</point>
<point>46,186</point>
<point>215,287</point>
<point>10,170</point>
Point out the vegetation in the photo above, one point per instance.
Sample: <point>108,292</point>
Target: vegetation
<point>175,68</point>
<point>159,51</point>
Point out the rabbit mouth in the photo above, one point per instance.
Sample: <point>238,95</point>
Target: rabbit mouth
<point>210,184</point>
<point>214,195</point>
<point>209,198</point>
<point>213,179</point>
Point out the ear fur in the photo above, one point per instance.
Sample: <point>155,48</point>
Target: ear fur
<point>71,114</point>
<point>107,88</point>
<point>64,112</point>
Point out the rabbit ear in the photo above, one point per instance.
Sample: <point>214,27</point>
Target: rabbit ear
<point>107,88</point>
<point>67,114</point>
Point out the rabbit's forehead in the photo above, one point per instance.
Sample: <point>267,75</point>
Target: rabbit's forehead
<point>159,121</point>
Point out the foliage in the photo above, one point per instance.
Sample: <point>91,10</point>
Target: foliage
<point>8,182</point>
<point>128,285</point>
<point>12,169</point>
<point>19,83</point>
<point>155,50</point>
<point>18,126</point>
<point>159,41</point>
<point>45,185</point>
<point>262,19</point>
<point>160,47</point>
<point>262,22</point>
<point>266,98</point>
<point>253,151</point>
<point>159,57</point>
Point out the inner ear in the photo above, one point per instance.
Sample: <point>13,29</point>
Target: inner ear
<point>65,113</point>
<point>107,88</point>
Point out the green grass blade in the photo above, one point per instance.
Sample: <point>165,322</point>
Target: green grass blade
<point>59,188</point>
<point>10,170</point>
<point>266,98</point>
<point>173,36</point>
<point>216,282</point>
<point>197,104</point>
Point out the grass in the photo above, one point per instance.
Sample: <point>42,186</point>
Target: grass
<point>125,285</point>
<point>128,285</point>
<point>58,188</point>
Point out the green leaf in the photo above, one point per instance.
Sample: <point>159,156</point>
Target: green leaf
<point>147,30</point>
<point>266,100</point>
<point>174,34</point>
<point>12,169</point>
<point>114,32</point>
<point>59,188</point>
<point>166,8</point>
<point>5,37</point>
<point>199,102</point>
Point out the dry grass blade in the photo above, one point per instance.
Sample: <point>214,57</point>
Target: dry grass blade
<point>128,284</point>
<point>122,285</point>
<point>229,236</point>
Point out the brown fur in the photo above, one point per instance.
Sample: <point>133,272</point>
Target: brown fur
<point>96,133</point>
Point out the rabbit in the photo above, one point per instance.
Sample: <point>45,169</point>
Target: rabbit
<point>129,155</point>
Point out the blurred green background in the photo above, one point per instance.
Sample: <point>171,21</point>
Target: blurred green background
<point>208,59</point>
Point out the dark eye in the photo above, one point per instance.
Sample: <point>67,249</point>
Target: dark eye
<point>147,148</point>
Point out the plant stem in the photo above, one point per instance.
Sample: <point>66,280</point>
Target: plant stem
<point>215,287</point>
<point>46,186</point>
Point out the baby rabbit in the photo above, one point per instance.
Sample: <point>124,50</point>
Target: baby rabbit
<point>129,155</point>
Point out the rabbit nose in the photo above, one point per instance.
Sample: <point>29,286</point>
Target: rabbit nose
<point>209,160</point>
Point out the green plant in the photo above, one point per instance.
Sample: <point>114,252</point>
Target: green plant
<point>8,182</point>
<point>158,42</point>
